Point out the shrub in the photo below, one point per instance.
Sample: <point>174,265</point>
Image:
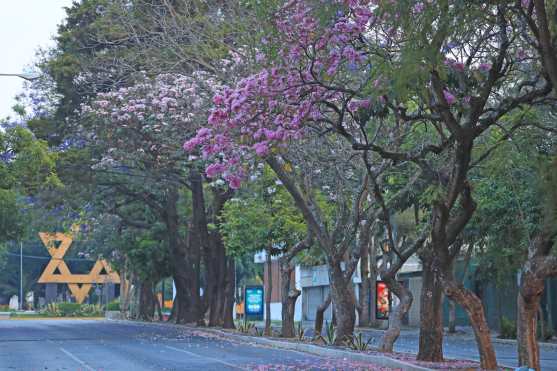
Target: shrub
<point>113,306</point>
<point>90,310</point>
<point>245,327</point>
<point>330,337</point>
<point>357,342</point>
<point>69,309</point>
<point>508,329</point>
<point>53,310</point>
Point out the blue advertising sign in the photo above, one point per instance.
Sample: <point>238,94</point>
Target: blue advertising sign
<point>254,302</point>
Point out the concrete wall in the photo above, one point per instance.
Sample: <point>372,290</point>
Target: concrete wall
<point>276,305</point>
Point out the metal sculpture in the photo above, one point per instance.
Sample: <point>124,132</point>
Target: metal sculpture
<point>58,272</point>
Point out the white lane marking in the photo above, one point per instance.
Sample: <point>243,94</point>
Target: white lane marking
<point>82,363</point>
<point>206,357</point>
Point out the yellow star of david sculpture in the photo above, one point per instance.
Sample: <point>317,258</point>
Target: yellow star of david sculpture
<point>79,284</point>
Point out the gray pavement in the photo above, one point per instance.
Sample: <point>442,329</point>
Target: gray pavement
<point>106,345</point>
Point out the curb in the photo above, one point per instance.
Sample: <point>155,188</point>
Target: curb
<point>513,342</point>
<point>320,351</point>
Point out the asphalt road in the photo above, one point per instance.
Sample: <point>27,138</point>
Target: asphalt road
<point>105,345</point>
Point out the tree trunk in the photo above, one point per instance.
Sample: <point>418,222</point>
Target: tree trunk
<point>344,302</point>
<point>452,317</point>
<point>146,302</point>
<point>364,312</point>
<point>185,265</point>
<point>528,303</point>
<point>201,240</point>
<point>475,311</point>
<point>289,295</point>
<point>397,313</point>
<point>372,282</point>
<point>124,290</point>
<point>229,293</point>
<point>431,314</point>
<point>268,291</point>
<point>319,314</point>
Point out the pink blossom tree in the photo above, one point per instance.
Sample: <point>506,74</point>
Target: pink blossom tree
<point>414,83</point>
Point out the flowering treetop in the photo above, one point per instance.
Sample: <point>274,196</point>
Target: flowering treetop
<point>145,122</point>
<point>340,64</point>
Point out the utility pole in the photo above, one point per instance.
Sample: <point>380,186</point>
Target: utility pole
<point>20,275</point>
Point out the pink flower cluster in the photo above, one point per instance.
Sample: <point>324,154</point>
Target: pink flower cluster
<point>266,110</point>
<point>152,115</point>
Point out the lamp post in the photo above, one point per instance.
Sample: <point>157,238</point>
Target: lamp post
<point>25,76</point>
<point>20,275</point>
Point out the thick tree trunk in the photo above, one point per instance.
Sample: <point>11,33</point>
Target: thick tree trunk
<point>289,295</point>
<point>268,291</point>
<point>475,311</point>
<point>216,308</point>
<point>527,342</point>
<point>528,304</point>
<point>201,240</point>
<point>344,302</point>
<point>319,314</point>
<point>124,290</point>
<point>364,312</point>
<point>452,317</point>
<point>431,315</point>
<point>146,302</point>
<point>397,313</point>
<point>228,307</point>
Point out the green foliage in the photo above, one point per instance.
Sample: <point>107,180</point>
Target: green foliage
<point>26,167</point>
<point>357,342</point>
<point>255,220</point>
<point>245,327</point>
<point>73,310</point>
<point>330,337</point>
<point>53,310</point>
<point>113,306</point>
<point>90,310</point>
<point>508,329</point>
<point>69,309</point>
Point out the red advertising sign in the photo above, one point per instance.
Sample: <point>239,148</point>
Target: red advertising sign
<point>382,301</point>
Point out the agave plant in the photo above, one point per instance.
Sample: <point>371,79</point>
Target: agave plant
<point>330,337</point>
<point>245,327</point>
<point>53,309</point>
<point>300,331</point>
<point>357,342</point>
<point>258,332</point>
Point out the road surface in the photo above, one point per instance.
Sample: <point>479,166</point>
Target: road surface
<point>107,345</point>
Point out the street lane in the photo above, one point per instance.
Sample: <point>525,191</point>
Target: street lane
<point>107,345</point>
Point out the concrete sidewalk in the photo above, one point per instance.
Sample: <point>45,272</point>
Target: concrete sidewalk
<point>462,345</point>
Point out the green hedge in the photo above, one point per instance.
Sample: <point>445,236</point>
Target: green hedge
<point>114,306</point>
<point>73,310</point>
<point>69,309</point>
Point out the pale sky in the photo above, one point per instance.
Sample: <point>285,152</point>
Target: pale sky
<point>25,25</point>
